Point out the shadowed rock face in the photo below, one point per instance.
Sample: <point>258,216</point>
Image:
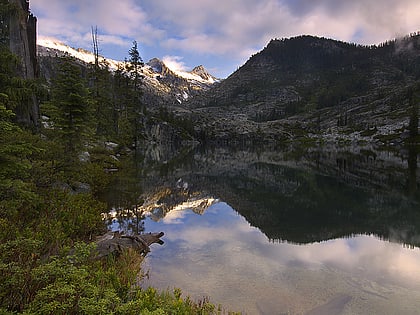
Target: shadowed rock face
<point>22,43</point>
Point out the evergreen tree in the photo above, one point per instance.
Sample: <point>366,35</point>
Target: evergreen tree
<point>121,101</point>
<point>69,108</point>
<point>135,62</point>
<point>102,95</point>
<point>134,109</point>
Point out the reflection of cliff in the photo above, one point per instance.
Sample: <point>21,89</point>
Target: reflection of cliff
<point>313,196</point>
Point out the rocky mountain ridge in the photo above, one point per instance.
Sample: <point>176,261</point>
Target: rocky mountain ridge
<point>315,88</point>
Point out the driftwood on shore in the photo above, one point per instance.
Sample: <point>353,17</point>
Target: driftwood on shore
<point>114,243</point>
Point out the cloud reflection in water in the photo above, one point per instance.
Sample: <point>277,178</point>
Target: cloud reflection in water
<point>218,254</point>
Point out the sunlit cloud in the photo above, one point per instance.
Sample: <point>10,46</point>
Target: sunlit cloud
<point>175,63</point>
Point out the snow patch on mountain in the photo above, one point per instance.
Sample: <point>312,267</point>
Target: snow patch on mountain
<point>50,46</point>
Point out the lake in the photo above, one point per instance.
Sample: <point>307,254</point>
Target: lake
<point>293,231</point>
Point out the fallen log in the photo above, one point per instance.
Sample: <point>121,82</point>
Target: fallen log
<point>114,243</point>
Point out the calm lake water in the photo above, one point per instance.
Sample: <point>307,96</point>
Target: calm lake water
<point>320,231</point>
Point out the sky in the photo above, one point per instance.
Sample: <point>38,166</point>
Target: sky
<point>221,35</point>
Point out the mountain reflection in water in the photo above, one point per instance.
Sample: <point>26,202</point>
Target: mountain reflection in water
<point>324,232</point>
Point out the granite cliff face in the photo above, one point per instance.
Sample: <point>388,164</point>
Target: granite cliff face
<point>22,43</point>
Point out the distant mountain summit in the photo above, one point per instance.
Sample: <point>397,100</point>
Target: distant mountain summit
<point>198,74</point>
<point>162,86</point>
<point>158,66</point>
<point>203,73</point>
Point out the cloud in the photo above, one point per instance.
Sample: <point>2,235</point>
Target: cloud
<point>175,63</point>
<point>118,21</point>
<point>236,27</point>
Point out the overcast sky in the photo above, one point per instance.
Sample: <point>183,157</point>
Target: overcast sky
<point>219,34</point>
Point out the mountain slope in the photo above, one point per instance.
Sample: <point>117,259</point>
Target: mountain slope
<point>309,85</point>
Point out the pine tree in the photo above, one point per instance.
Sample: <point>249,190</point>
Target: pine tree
<point>121,107</point>
<point>135,62</point>
<point>69,108</point>
<point>128,87</point>
<point>102,95</point>
<point>136,108</point>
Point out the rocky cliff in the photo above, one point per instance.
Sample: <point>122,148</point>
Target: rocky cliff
<point>22,42</point>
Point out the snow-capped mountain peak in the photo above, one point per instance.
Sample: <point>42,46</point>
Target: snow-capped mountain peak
<point>203,73</point>
<point>195,76</point>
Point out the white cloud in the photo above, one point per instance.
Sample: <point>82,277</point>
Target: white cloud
<point>175,63</point>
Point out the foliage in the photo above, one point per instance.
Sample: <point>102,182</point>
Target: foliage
<point>16,145</point>
<point>134,117</point>
<point>74,283</point>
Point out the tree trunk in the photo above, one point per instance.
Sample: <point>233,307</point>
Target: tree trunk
<point>113,243</point>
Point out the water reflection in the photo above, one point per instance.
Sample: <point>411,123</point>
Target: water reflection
<point>314,231</point>
<point>219,254</point>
